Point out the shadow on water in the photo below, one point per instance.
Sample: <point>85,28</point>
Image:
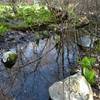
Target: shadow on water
<point>30,85</point>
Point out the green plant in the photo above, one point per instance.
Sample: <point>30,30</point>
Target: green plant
<point>88,62</point>
<point>3,29</point>
<point>89,75</point>
<point>28,15</point>
<point>87,69</point>
<point>35,14</point>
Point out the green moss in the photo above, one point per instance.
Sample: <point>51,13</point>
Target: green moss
<point>9,59</point>
<point>32,15</point>
<point>29,15</point>
<point>12,57</point>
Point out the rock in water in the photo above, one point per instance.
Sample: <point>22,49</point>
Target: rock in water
<point>74,87</point>
<point>9,59</point>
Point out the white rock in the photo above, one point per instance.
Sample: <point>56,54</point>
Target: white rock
<point>74,87</point>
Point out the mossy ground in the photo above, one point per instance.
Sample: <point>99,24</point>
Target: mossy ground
<point>26,16</point>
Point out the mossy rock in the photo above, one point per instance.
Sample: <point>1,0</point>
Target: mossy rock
<point>9,59</point>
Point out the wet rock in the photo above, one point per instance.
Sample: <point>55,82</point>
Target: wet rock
<point>74,87</point>
<point>86,41</point>
<point>9,59</point>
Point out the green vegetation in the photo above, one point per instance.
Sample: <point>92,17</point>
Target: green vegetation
<point>26,16</point>
<point>87,69</point>
<point>3,29</point>
<point>34,16</point>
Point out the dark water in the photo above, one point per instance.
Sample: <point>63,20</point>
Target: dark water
<point>29,85</point>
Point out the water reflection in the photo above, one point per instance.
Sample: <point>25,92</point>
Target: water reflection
<point>29,85</point>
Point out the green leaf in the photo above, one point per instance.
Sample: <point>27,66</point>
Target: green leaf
<point>90,75</point>
<point>92,61</point>
<point>88,62</point>
<point>85,62</point>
